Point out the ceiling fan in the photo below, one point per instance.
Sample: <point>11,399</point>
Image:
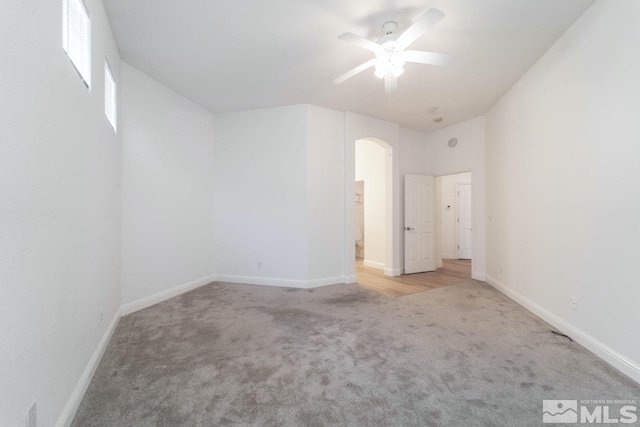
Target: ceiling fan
<point>391,50</point>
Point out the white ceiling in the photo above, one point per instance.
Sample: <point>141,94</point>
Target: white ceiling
<point>246,54</point>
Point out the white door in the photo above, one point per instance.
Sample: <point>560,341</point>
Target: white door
<point>464,221</point>
<point>419,224</point>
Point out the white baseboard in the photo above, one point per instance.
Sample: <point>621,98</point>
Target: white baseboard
<point>70,409</point>
<point>286,283</point>
<point>326,281</point>
<point>165,295</point>
<point>479,276</point>
<point>373,264</point>
<point>606,353</point>
<point>392,271</point>
<point>439,264</point>
<point>350,279</point>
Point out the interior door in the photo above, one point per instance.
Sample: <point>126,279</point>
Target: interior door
<point>464,221</point>
<point>419,224</point>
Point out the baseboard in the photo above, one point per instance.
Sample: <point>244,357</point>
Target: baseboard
<point>286,283</point>
<point>606,353</point>
<point>439,264</point>
<point>373,264</point>
<point>165,295</point>
<point>350,279</point>
<point>326,281</point>
<point>70,409</point>
<point>392,271</point>
<point>479,276</point>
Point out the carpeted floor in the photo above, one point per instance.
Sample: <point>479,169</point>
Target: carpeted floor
<point>463,355</point>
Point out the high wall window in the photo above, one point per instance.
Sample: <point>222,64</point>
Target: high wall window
<point>110,97</point>
<point>76,37</point>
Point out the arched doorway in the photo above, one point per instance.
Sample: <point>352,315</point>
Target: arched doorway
<point>370,203</point>
<point>386,261</point>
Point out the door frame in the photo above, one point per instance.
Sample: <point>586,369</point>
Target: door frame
<point>474,210</point>
<point>458,184</point>
<point>391,267</point>
<point>357,126</point>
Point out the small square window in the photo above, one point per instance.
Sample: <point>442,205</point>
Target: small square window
<point>110,97</point>
<point>76,37</point>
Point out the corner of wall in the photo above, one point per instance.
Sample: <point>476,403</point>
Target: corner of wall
<point>73,403</point>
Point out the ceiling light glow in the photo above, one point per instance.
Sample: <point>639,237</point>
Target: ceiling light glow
<point>390,65</point>
<point>390,60</point>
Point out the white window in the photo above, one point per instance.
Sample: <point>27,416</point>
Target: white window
<point>76,37</point>
<point>110,97</point>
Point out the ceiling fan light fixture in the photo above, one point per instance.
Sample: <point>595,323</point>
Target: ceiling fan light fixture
<point>390,65</point>
<point>390,51</point>
<point>397,71</point>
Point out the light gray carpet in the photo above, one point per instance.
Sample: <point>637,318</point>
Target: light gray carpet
<point>463,355</point>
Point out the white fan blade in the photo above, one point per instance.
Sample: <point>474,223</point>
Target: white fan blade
<point>360,68</point>
<point>360,41</point>
<point>426,21</point>
<point>430,58</point>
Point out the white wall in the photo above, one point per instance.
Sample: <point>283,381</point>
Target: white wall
<point>284,190</point>
<point>563,177</point>
<point>468,155</point>
<point>167,180</point>
<point>279,191</point>
<point>283,185</point>
<point>359,218</point>
<point>260,189</point>
<point>371,165</point>
<point>59,210</point>
<point>325,194</point>
<point>448,217</point>
<point>278,182</point>
<point>413,154</point>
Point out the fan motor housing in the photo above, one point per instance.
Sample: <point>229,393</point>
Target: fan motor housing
<point>389,27</point>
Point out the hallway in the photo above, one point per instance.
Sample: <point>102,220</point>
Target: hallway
<point>452,272</point>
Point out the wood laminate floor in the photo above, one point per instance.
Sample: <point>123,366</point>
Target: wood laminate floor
<point>452,272</point>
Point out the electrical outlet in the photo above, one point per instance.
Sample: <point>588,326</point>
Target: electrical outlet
<point>574,303</point>
<point>101,315</point>
<point>259,264</point>
<point>32,416</point>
